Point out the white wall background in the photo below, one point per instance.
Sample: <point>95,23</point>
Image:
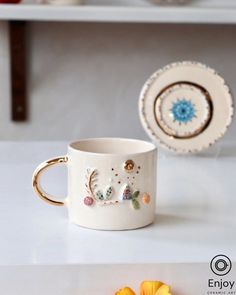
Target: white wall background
<point>84,79</point>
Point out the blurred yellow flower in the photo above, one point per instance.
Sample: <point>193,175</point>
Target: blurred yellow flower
<point>125,291</point>
<point>150,287</point>
<point>147,288</point>
<point>163,290</point>
<point>154,288</point>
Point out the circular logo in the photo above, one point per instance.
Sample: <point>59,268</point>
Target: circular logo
<point>221,265</point>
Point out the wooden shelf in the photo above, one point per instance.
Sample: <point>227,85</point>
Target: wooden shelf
<point>213,12</point>
<point>126,11</point>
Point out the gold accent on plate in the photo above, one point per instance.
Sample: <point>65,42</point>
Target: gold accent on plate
<point>198,131</point>
<point>36,184</point>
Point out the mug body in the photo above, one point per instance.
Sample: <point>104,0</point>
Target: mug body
<point>111,183</point>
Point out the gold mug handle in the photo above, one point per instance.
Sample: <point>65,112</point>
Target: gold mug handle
<point>36,177</point>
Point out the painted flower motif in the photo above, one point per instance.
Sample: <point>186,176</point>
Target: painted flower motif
<point>125,291</point>
<point>183,111</point>
<point>146,198</point>
<point>88,201</point>
<point>129,166</point>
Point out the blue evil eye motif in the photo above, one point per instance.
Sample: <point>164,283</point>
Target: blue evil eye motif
<point>183,111</point>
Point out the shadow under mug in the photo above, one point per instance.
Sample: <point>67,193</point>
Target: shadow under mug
<point>111,183</point>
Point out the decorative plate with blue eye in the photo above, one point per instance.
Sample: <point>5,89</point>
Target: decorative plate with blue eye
<point>183,110</point>
<point>186,107</point>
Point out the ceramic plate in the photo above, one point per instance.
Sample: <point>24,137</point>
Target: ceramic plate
<point>185,107</point>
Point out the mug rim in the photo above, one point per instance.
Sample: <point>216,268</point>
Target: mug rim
<point>150,147</point>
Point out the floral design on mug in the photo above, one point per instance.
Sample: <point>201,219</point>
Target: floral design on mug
<point>133,197</point>
<point>94,194</point>
<point>129,166</point>
<point>88,201</point>
<point>104,197</point>
<point>91,184</point>
<point>146,198</point>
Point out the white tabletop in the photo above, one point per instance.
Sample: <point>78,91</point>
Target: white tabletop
<point>184,279</point>
<point>195,215</point>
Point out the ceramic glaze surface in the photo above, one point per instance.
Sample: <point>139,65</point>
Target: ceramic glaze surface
<point>111,189</point>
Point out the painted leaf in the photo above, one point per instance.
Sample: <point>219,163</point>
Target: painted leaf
<point>99,195</point>
<point>109,192</point>
<point>135,194</point>
<point>135,204</point>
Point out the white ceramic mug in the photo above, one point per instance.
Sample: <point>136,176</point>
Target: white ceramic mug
<point>111,183</point>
